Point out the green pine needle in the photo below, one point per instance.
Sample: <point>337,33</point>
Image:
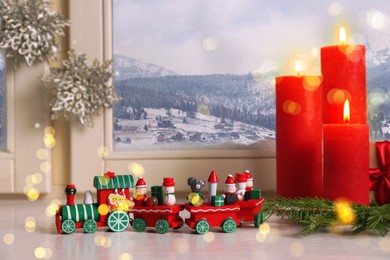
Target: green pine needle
<point>314,214</point>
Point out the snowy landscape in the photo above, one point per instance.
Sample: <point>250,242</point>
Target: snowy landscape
<point>185,111</point>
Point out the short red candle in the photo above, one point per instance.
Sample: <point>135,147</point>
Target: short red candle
<point>344,77</point>
<point>299,136</point>
<point>346,162</point>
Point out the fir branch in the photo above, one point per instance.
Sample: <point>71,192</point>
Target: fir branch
<point>314,214</point>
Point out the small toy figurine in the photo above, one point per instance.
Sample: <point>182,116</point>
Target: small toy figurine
<point>213,182</point>
<point>249,181</point>
<point>195,198</point>
<point>88,198</point>
<point>169,189</point>
<point>241,180</point>
<point>230,189</point>
<point>139,194</point>
<point>118,201</point>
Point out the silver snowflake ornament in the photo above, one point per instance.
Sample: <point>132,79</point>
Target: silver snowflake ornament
<point>79,88</point>
<point>28,30</point>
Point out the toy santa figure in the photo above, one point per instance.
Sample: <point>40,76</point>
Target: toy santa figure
<point>230,190</point>
<point>139,194</point>
<point>241,180</point>
<point>249,181</point>
<point>169,190</point>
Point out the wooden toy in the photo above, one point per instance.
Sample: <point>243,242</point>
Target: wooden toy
<point>115,204</point>
<point>112,191</point>
<point>160,217</point>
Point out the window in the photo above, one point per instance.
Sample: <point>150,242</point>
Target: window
<point>93,150</point>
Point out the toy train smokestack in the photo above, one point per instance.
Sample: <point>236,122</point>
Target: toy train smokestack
<point>70,192</point>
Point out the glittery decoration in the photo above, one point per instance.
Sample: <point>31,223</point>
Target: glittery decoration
<point>80,89</point>
<point>28,30</point>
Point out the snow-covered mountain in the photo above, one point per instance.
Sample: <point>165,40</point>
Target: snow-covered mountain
<point>126,68</point>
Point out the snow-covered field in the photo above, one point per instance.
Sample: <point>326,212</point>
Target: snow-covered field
<point>190,133</point>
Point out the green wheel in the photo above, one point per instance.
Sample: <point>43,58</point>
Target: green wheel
<point>202,227</point>
<point>259,219</point>
<point>118,221</point>
<point>162,226</point>
<point>90,226</point>
<point>229,225</point>
<point>68,226</point>
<point>139,224</point>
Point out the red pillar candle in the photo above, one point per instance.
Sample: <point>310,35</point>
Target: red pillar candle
<point>344,77</point>
<point>346,162</point>
<point>299,136</point>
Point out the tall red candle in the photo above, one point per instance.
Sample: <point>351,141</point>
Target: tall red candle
<point>299,136</point>
<point>344,77</point>
<point>346,162</point>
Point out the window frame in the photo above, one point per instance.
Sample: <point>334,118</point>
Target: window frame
<point>95,39</point>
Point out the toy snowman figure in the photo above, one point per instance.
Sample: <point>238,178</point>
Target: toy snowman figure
<point>241,180</point>
<point>139,195</point>
<point>169,189</point>
<point>230,190</point>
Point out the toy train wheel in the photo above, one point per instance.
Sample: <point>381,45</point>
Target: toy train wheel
<point>162,226</point>
<point>68,226</point>
<point>259,219</point>
<point>202,227</point>
<point>139,224</point>
<point>229,225</point>
<point>90,226</point>
<point>118,221</point>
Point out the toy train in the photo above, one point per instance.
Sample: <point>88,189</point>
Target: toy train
<point>117,210</point>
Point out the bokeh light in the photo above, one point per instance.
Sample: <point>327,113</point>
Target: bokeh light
<point>32,194</point>
<point>266,67</point>
<point>51,210</point>
<point>344,212</point>
<point>30,224</point>
<point>297,249</point>
<point>8,239</point>
<point>103,209</point>
<point>49,140</point>
<point>137,169</point>
<point>103,151</point>
<point>291,107</point>
<point>181,246</point>
<point>210,43</point>
<point>43,253</point>
<point>261,237</point>
<point>312,83</point>
<point>337,96</point>
<point>49,131</point>
<point>377,97</point>
<point>264,228</point>
<point>377,20</point>
<point>37,125</point>
<point>45,167</point>
<point>125,256</point>
<point>335,9</point>
<point>208,237</point>
<point>103,241</point>
<point>40,252</point>
<point>42,154</point>
<point>35,178</point>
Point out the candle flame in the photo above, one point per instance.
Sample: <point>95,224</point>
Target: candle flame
<point>347,115</point>
<point>298,68</point>
<point>343,35</point>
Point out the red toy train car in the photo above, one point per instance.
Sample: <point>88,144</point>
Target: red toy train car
<point>116,209</point>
